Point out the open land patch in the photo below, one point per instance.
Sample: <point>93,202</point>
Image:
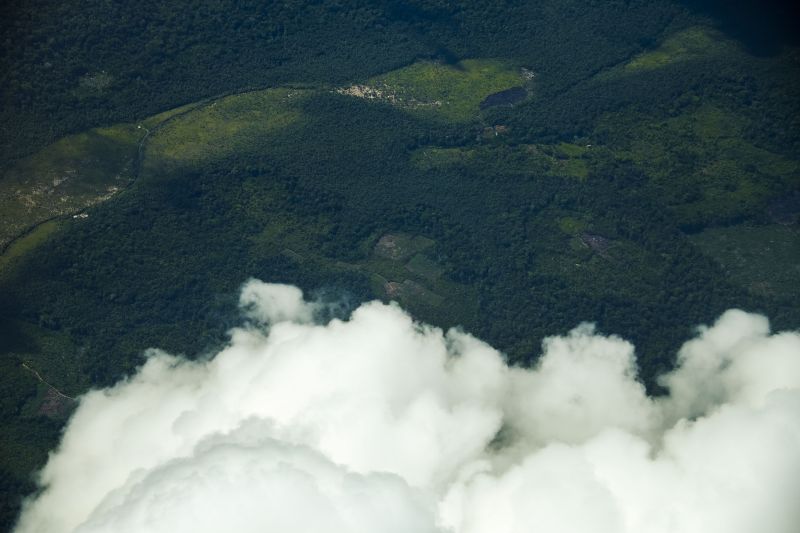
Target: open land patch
<point>452,92</point>
<point>237,124</point>
<point>68,176</point>
<point>400,246</point>
<point>692,43</point>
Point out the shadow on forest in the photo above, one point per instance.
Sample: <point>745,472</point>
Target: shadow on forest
<point>763,26</point>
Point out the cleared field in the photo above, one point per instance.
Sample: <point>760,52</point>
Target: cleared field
<point>689,44</point>
<point>400,246</point>
<point>422,266</point>
<point>70,175</point>
<point>238,124</point>
<point>452,92</point>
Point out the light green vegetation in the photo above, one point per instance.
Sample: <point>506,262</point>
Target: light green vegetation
<point>155,120</point>
<point>400,246</point>
<point>702,162</point>
<point>574,168</point>
<point>425,267</point>
<point>567,160</point>
<point>25,244</point>
<point>453,92</point>
<point>692,43</point>
<point>572,225</point>
<point>238,124</point>
<point>570,150</point>
<point>74,173</point>
<point>763,259</point>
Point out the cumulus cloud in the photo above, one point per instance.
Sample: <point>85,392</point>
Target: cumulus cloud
<point>382,424</point>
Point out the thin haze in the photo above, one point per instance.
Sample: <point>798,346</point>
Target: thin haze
<point>381,424</point>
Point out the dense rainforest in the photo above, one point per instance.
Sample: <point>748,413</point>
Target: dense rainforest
<point>510,167</point>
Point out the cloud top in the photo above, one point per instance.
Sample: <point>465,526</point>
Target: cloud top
<point>382,424</point>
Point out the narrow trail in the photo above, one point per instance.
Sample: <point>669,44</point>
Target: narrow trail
<point>42,380</point>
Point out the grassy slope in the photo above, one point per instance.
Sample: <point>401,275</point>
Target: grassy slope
<point>241,124</point>
<point>691,43</point>
<point>449,91</point>
<point>74,173</point>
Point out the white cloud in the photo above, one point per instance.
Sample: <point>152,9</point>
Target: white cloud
<point>269,303</point>
<point>382,424</point>
<point>583,384</point>
<point>735,361</point>
<point>245,482</point>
